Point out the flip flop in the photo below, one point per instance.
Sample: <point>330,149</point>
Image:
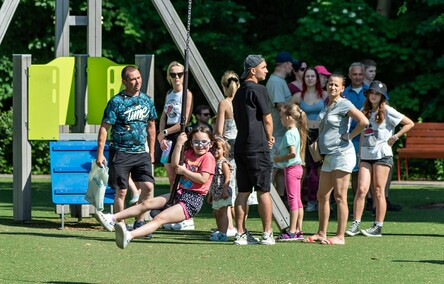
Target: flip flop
<point>331,241</point>
<point>312,239</point>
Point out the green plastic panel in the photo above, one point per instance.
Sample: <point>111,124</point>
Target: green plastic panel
<point>50,98</point>
<point>104,81</point>
<point>43,103</point>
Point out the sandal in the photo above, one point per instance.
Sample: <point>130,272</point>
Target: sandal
<point>333,241</point>
<point>313,239</point>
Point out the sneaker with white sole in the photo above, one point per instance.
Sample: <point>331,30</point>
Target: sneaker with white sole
<point>122,237</point>
<point>354,229</point>
<point>373,231</point>
<point>138,224</point>
<point>168,226</point>
<point>185,225</point>
<point>231,232</point>
<point>267,239</point>
<point>245,239</point>
<point>134,200</point>
<point>219,237</point>
<point>106,220</point>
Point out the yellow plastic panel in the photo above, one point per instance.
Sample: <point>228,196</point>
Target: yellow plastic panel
<point>101,71</point>
<point>66,85</point>
<point>114,81</point>
<point>43,102</point>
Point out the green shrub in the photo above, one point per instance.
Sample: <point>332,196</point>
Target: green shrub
<point>39,149</point>
<point>159,171</point>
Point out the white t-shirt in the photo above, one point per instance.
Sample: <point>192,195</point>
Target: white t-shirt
<point>173,107</point>
<point>374,144</point>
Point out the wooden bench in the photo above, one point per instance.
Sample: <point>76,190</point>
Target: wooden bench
<point>424,141</point>
<point>70,167</point>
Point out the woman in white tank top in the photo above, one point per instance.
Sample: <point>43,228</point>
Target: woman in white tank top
<point>169,125</point>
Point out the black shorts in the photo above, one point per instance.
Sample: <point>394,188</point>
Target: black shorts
<point>121,164</point>
<point>253,170</point>
<point>385,161</point>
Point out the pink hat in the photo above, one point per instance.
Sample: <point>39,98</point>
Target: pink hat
<point>322,70</point>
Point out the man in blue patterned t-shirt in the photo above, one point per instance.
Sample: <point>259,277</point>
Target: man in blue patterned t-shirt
<point>131,115</point>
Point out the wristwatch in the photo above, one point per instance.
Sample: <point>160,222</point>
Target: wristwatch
<point>165,132</point>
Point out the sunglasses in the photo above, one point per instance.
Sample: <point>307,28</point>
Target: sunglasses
<point>203,143</point>
<point>302,69</point>
<point>173,75</point>
<point>205,114</point>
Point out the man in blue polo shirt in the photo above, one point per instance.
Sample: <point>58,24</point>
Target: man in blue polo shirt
<point>355,93</point>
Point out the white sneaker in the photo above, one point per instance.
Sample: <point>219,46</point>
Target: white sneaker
<point>122,237</point>
<point>231,232</point>
<point>267,239</point>
<point>185,225</point>
<point>245,239</point>
<point>106,220</point>
<point>134,200</point>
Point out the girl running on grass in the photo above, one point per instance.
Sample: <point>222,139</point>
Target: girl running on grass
<point>291,155</point>
<point>196,175</point>
<point>376,155</point>
<point>220,192</point>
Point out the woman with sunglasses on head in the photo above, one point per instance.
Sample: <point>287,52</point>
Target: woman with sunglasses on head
<point>169,124</point>
<point>296,78</point>
<point>311,101</point>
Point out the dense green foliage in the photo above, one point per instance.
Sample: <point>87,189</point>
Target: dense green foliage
<point>405,44</point>
<point>39,149</point>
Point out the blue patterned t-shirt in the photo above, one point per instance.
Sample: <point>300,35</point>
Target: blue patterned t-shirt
<point>129,117</point>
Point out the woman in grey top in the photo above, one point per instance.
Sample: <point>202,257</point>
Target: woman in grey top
<point>339,158</point>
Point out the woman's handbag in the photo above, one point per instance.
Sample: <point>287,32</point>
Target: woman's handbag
<point>315,152</point>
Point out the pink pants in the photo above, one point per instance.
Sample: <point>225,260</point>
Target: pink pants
<point>293,175</point>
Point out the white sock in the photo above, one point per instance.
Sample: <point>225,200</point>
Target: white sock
<point>129,236</point>
<point>379,224</point>
<point>358,221</point>
<point>113,218</point>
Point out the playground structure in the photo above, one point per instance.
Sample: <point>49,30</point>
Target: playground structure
<point>75,119</point>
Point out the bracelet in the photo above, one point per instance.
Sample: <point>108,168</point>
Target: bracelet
<point>395,137</point>
<point>348,136</point>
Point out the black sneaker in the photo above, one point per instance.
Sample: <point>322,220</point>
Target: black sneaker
<point>138,224</point>
<point>393,206</point>
<point>373,231</point>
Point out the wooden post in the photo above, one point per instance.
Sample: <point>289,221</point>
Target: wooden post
<point>20,144</point>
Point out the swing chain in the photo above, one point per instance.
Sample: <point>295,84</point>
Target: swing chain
<point>187,47</point>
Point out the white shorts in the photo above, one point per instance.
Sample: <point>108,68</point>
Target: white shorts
<point>344,161</point>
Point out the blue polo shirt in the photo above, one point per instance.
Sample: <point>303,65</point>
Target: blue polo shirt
<point>357,99</point>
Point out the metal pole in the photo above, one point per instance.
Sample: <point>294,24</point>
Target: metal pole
<point>20,144</point>
<point>81,61</point>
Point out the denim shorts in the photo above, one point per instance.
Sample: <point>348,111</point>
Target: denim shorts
<point>385,161</point>
<point>344,161</point>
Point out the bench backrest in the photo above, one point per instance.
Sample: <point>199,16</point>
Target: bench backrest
<point>70,167</point>
<point>428,135</point>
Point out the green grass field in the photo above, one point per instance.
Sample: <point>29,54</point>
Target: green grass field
<point>410,251</point>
